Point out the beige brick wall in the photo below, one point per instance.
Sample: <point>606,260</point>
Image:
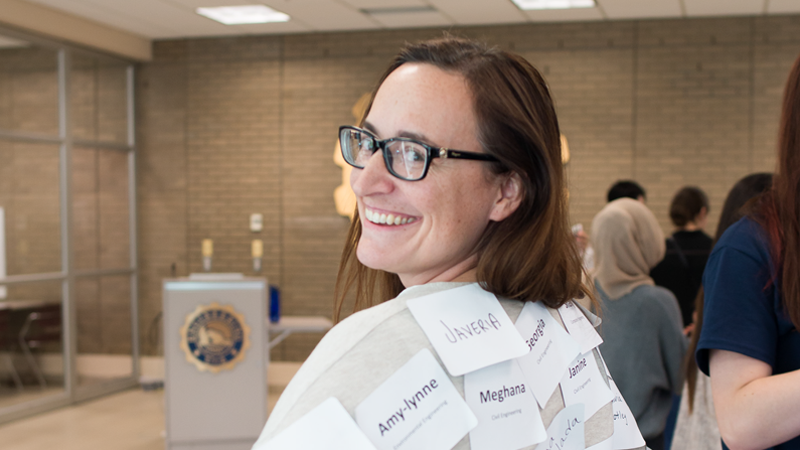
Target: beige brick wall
<point>233,126</point>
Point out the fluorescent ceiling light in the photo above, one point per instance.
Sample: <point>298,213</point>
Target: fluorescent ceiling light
<point>236,15</point>
<point>554,4</point>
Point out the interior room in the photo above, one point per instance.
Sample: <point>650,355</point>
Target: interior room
<point>142,142</point>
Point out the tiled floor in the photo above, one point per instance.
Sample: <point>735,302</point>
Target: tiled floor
<point>130,420</point>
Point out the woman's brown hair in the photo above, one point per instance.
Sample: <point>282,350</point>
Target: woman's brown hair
<point>531,255</point>
<point>778,210</point>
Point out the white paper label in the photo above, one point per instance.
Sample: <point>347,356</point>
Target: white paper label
<point>416,407</point>
<point>626,431</point>
<point>468,328</point>
<point>605,445</point>
<point>326,427</point>
<point>583,383</point>
<point>508,417</point>
<point>551,350</point>
<point>579,327</point>
<point>566,431</point>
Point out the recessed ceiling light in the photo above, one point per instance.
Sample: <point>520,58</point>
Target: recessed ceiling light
<point>237,15</point>
<point>554,4</point>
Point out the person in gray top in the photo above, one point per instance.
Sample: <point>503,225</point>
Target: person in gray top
<point>642,328</point>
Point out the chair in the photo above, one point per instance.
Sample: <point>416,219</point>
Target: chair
<point>7,345</point>
<point>41,326</point>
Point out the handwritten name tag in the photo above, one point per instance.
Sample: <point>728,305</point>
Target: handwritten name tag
<point>626,431</point>
<point>326,427</point>
<point>583,383</point>
<point>566,431</point>
<point>579,327</point>
<point>508,418</point>
<point>468,328</point>
<point>416,407</point>
<point>551,350</point>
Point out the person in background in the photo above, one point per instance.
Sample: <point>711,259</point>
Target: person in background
<point>642,333</point>
<point>681,270</point>
<point>696,427</point>
<point>626,189</point>
<point>750,345</point>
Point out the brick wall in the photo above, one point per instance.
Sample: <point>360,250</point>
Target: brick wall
<point>234,126</point>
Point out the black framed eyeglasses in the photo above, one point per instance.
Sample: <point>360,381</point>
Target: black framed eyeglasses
<point>405,158</point>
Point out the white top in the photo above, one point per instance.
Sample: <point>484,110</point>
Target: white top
<point>365,349</point>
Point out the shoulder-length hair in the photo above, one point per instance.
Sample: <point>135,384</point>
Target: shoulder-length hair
<point>531,255</point>
<point>778,210</point>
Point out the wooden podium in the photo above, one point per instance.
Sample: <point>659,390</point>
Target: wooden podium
<point>215,357</point>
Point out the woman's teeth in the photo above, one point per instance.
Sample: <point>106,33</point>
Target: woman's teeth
<point>386,219</point>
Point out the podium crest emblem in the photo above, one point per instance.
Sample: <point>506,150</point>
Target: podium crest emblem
<point>215,337</point>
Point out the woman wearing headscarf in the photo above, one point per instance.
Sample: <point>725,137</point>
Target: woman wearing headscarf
<point>642,328</point>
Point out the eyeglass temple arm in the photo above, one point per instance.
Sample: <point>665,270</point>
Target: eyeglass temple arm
<point>445,153</point>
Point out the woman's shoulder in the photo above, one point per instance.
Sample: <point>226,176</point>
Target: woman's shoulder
<point>746,236</point>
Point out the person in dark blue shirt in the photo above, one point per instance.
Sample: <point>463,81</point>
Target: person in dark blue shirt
<point>749,343</point>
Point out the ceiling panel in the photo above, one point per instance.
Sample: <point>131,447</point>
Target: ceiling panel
<point>783,6</point>
<point>7,42</point>
<point>325,15</point>
<point>696,8</point>
<point>564,15</point>
<point>480,11</point>
<point>106,15</point>
<point>635,9</point>
<point>384,4</point>
<point>412,20</point>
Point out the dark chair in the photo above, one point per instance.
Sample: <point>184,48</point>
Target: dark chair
<point>7,345</point>
<point>42,325</point>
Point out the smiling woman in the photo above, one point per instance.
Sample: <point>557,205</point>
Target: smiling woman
<point>461,229</point>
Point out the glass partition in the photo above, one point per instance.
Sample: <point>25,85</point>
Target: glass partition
<point>67,225</point>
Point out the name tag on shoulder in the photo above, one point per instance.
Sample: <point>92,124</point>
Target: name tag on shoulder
<point>579,326</point>
<point>326,427</point>
<point>583,383</point>
<point>508,417</point>
<point>551,350</point>
<point>468,328</point>
<point>566,431</point>
<point>626,431</point>
<point>416,407</point>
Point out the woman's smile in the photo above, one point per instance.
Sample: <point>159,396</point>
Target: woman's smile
<point>387,218</point>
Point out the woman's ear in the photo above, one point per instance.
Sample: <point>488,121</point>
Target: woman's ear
<point>509,198</point>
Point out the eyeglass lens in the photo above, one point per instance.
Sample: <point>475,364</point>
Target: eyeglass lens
<point>405,159</point>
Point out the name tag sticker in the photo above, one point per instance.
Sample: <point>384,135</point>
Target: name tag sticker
<point>579,327</point>
<point>566,431</point>
<point>583,383</point>
<point>626,431</point>
<point>508,417</point>
<point>551,350</point>
<point>605,445</point>
<point>468,328</point>
<point>416,407</point>
<point>326,427</point>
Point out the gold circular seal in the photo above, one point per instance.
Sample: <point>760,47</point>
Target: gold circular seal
<point>215,337</point>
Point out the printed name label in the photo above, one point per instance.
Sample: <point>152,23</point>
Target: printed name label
<point>566,432</point>
<point>551,350</point>
<point>326,427</point>
<point>508,417</point>
<point>579,327</point>
<point>417,407</point>
<point>584,384</point>
<point>468,328</point>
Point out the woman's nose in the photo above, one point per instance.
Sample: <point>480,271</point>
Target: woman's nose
<point>373,178</point>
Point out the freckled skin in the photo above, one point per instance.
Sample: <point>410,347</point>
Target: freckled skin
<point>452,205</point>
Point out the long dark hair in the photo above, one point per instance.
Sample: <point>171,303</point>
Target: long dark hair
<point>778,211</point>
<point>736,204</point>
<point>531,255</point>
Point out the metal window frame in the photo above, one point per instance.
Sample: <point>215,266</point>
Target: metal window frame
<point>73,392</point>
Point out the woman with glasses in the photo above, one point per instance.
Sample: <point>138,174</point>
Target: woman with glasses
<point>459,182</point>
